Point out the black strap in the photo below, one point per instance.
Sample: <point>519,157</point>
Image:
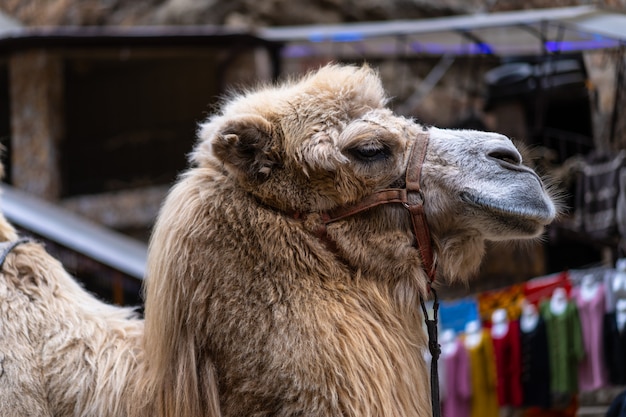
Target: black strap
<point>435,351</point>
<point>7,247</point>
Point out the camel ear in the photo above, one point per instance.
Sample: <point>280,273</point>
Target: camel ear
<point>245,144</point>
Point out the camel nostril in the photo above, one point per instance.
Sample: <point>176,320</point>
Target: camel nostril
<point>506,155</point>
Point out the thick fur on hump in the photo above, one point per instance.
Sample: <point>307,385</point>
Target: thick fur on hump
<point>62,351</point>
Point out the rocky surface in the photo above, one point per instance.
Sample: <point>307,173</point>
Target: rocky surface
<point>254,12</point>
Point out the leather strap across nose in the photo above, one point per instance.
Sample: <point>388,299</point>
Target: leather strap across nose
<point>411,197</point>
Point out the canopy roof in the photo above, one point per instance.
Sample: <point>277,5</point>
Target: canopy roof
<point>113,249</point>
<point>526,32</point>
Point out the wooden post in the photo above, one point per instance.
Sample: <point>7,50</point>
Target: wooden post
<point>117,284</point>
<point>37,125</point>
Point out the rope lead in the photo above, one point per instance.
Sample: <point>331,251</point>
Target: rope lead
<point>435,350</point>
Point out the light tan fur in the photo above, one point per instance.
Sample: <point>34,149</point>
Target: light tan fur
<point>62,351</point>
<point>250,313</point>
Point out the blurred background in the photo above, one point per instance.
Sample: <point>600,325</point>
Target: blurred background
<point>99,102</point>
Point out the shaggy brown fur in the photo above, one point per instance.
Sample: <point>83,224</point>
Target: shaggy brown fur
<point>62,351</point>
<point>248,312</point>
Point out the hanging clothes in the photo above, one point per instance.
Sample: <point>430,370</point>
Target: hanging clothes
<point>483,376</point>
<point>538,289</point>
<point>508,362</point>
<point>509,298</point>
<point>615,284</point>
<point>456,314</point>
<point>614,350</point>
<point>601,274</point>
<point>597,194</point>
<point>565,346</point>
<point>621,209</point>
<point>609,295</point>
<point>535,366</point>
<point>458,388</point>
<point>592,372</point>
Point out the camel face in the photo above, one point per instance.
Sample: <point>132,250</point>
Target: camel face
<point>479,177</point>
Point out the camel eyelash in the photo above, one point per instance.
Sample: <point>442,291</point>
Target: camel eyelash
<point>371,152</point>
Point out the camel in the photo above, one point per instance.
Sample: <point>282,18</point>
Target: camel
<point>261,300</point>
<point>63,352</point>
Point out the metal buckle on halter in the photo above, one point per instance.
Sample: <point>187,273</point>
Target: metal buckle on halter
<point>414,198</point>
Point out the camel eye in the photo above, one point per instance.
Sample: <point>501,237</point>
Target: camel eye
<point>370,152</point>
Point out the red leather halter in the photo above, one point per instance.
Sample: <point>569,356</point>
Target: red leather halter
<point>411,197</point>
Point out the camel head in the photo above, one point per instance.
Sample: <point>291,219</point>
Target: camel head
<point>329,141</point>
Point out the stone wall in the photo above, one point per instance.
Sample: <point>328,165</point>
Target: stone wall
<point>257,13</point>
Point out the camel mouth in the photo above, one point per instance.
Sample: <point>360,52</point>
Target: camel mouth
<point>524,210</point>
